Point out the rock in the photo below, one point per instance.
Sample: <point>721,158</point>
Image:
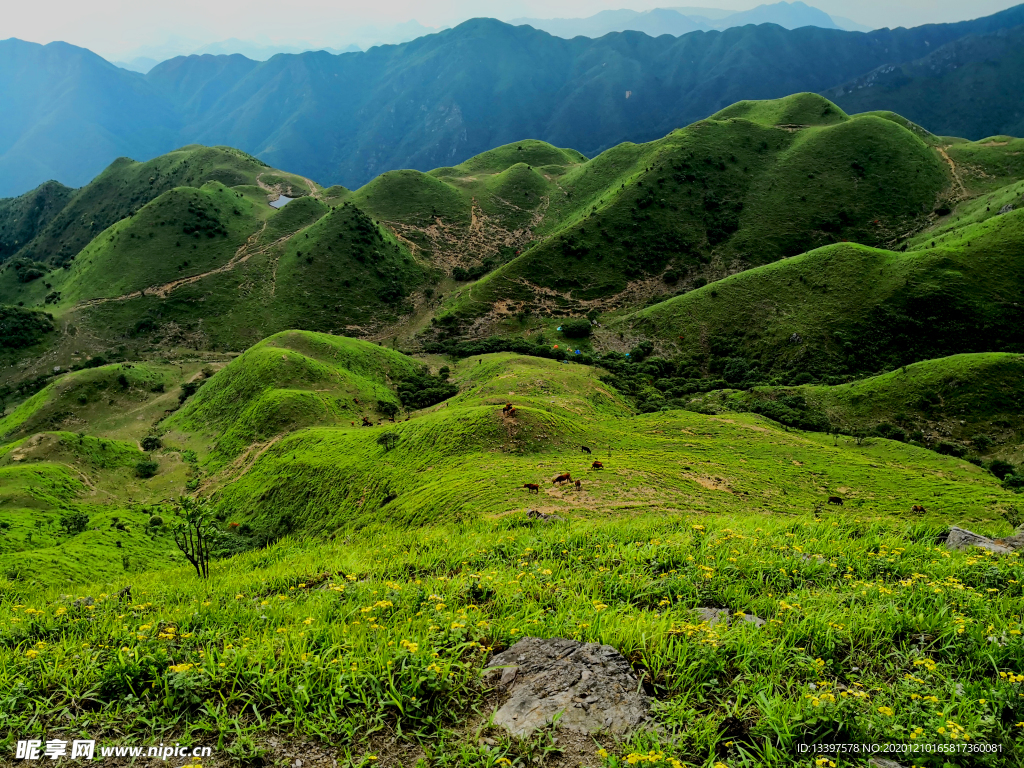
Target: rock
<point>592,686</point>
<point>714,615</point>
<point>960,538</point>
<point>1006,208</point>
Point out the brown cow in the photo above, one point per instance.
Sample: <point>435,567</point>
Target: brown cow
<point>532,487</point>
<point>918,508</point>
<point>579,486</point>
<point>835,500</point>
<point>562,479</point>
<point>597,465</point>
<point>508,407</point>
<point>367,422</point>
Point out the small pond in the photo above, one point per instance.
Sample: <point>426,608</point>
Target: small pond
<point>281,202</point>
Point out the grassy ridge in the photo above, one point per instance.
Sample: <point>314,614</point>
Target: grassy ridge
<point>126,186</point>
<point>818,312</point>
<point>85,397</point>
<point>290,380</point>
<point>732,191</point>
<point>464,459</point>
<point>972,401</point>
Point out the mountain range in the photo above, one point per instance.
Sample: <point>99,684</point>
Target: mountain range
<point>681,21</point>
<point>437,100</point>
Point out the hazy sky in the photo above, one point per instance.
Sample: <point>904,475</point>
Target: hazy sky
<point>111,27</point>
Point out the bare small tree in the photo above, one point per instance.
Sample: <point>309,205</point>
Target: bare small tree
<point>194,532</point>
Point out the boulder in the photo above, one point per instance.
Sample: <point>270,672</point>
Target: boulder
<point>591,686</point>
<point>961,538</point>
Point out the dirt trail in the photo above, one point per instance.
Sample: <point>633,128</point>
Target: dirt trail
<point>957,181</point>
<point>242,255</point>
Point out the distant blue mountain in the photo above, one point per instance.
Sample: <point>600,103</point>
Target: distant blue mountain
<point>66,113</point>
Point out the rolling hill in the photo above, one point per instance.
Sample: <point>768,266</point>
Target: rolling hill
<point>435,101</point>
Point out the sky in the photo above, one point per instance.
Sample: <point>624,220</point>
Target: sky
<point>112,27</point>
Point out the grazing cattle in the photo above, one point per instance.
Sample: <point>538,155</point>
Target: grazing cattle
<point>579,486</point>
<point>356,400</point>
<point>367,422</point>
<point>584,449</point>
<point>562,479</point>
<point>835,500</point>
<point>918,508</point>
<point>508,407</point>
<point>597,465</point>
<point>532,487</point>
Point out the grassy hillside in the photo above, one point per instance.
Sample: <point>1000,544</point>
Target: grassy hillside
<point>288,381</point>
<point>398,572</point>
<point>126,186</point>
<point>100,397</point>
<point>964,405</point>
<point>464,460</point>
<point>734,191</point>
<point>22,218</point>
<point>821,314</point>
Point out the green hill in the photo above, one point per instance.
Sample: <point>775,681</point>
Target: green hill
<point>962,405</point>
<point>292,379</point>
<point>847,309</point>
<point>22,218</point>
<point>731,192</point>
<point>126,186</point>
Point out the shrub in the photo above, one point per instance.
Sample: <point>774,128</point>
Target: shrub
<point>389,440</point>
<point>387,408</point>
<point>1000,468</point>
<point>1014,483</point>
<point>950,449</point>
<point>189,388</point>
<point>576,329</point>
<point>151,443</point>
<point>74,522</point>
<point>146,468</point>
<point>156,521</point>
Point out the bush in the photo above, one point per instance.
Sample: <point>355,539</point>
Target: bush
<point>21,328</point>
<point>422,390</point>
<point>1000,468</point>
<point>74,522</point>
<point>1014,483</point>
<point>151,443</point>
<point>389,440</point>
<point>189,388</point>
<point>156,521</point>
<point>387,408</point>
<point>890,432</point>
<point>146,468</point>
<point>951,449</point>
<point>576,329</point>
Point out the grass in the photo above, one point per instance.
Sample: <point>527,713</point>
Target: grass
<point>291,380</point>
<point>972,401</point>
<point>396,573</point>
<point>375,645</point>
<point>936,300</point>
<point>730,192</point>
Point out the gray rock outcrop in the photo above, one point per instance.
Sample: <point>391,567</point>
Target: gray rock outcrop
<point>961,538</point>
<point>591,686</point>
